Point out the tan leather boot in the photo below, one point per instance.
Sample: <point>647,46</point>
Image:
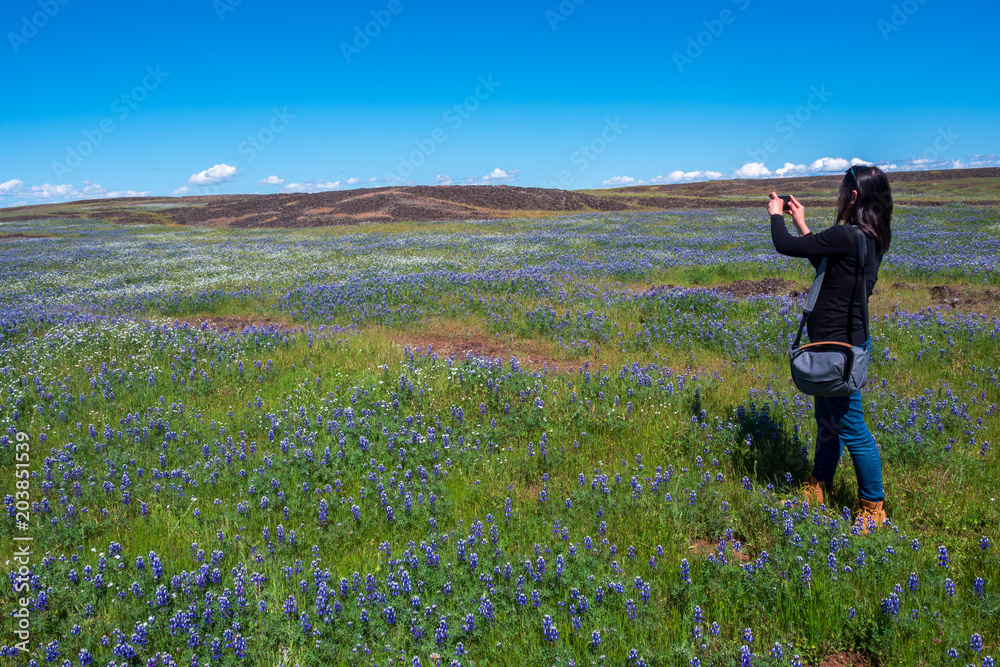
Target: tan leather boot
<point>870,516</point>
<point>813,492</point>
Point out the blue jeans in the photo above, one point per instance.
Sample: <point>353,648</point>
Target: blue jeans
<point>841,423</point>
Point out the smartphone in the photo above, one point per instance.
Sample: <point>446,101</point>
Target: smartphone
<point>786,199</point>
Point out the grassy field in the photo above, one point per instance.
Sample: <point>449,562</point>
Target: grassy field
<point>516,442</point>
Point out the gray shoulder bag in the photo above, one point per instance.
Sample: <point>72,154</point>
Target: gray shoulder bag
<point>832,368</point>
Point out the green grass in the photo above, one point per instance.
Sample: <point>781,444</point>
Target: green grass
<point>707,394</point>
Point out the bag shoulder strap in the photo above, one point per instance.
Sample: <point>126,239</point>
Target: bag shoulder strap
<point>810,301</point>
<point>859,286</point>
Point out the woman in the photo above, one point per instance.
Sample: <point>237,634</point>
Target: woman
<point>865,201</point>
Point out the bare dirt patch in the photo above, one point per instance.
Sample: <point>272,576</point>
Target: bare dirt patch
<point>703,547</point>
<point>236,322</point>
<point>10,237</point>
<point>962,298</point>
<point>846,659</point>
<point>767,286</point>
<point>445,345</point>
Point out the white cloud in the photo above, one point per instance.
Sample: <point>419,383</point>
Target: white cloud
<point>442,180</point>
<point>791,170</point>
<point>49,191</point>
<point>979,160</point>
<point>14,186</point>
<point>619,181</point>
<point>93,189</point>
<point>125,193</point>
<point>829,164</point>
<point>676,176</point>
<point>924,164</point>
<point>372,179</point>
<point>824,165</point>
<point>679,176</point>
<point>184,190</point>
<point>311,186</point>
<point>753,170</point>
<point>353,181</point>
<point>220,173</point>
<point>65,191</point>
<point>271,180</point>
<point>500,176</point>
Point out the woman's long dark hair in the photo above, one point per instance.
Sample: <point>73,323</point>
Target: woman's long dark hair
<point>872,211</point>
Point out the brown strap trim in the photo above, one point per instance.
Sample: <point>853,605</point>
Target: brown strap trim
<point>827,342</point>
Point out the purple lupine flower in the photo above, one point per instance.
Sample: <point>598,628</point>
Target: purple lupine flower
<point>290,607</point>
<point>441,634</point>
<point>890,605</point>
<point>943,559</point>
<point>549,630</point>
<point>486,609</point>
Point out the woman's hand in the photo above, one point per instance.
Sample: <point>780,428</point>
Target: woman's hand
<point>798,215</point>
<point>776,205</point>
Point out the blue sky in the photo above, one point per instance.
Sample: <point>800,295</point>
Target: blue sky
<point>239,96</point>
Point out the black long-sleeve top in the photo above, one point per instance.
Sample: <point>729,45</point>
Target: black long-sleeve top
<point>838,306</point>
